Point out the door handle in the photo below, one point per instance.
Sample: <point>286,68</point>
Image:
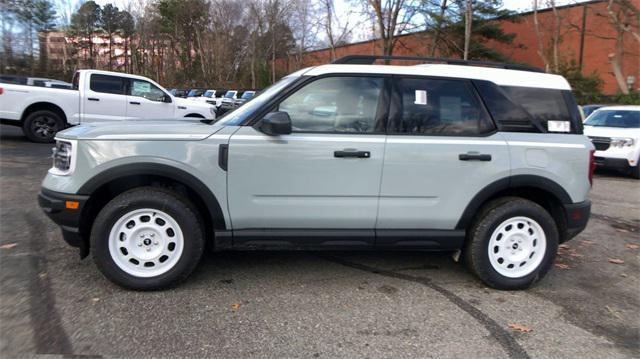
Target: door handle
<point>351,154</point>
<point>474,156</point>
<point>134,102</point>
<point>93,99</point>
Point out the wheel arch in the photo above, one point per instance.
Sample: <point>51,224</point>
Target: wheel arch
<point>194,115</point>
<point>116,180</point>
<point>543,191</point>
<point>42,106</point>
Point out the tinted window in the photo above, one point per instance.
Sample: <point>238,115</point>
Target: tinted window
<point>107,84</point>
<point>335,104</point>
<point>147,90</point>
<point>614,118</point>
<point>440,107</point>
<point>542,104</point>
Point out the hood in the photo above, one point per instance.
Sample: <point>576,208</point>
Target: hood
<point>599,131</point>
<point>143,130</point>
<point>192,103</point>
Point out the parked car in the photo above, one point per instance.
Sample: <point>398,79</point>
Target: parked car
<point>615,132</point>
<point>589,109</point>
<point>195,93</point>
<point>208,96</point>
<point>99,96</point>
<point>246,96</point>
<point>182,93</point>
<point>488,160</point>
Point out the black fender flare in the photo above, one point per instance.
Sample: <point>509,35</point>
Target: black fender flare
<point>503,184</point>
<point>161,170</point>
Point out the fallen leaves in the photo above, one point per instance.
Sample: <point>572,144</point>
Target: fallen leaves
<point>519,328</point>
<point>562,266</point>
<point>632,246</point>
<point>235,306</point>
<point>616,261</point>
<point>613,312</point>
<point>8,245</point>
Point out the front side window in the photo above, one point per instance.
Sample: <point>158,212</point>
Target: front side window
<point>614,118</point>
<point>146,89</point>
<point>439,107</point>
<point>335,104</point>
<point>107,84</point>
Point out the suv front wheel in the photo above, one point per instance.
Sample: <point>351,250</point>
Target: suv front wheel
<point>512,243</point>
<point>147,238</point>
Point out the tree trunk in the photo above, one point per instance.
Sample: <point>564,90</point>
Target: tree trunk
<point>436,36</point>
<point>110,58</point>
<point>468,18</point>
<point>616,63</point>
<point>556,37</point>
<point>539,38</point>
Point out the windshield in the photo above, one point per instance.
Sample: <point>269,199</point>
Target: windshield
<point>247,95</point>
<point>209,93</point>
<point>194,93</point>
<point>236,117</point>
<point>230,94</point>
<point>614,118</point>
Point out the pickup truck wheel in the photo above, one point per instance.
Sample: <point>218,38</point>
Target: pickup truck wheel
<point>147,238</point>
<point>512,243</point>
<point>42,126</point>
<point>635,171</point>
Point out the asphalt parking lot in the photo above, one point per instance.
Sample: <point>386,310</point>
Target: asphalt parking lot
<point>315,304</point>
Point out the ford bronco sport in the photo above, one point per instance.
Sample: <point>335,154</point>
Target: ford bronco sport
<point>483,158</point>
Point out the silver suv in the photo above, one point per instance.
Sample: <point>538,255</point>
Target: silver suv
<point>487,159</point>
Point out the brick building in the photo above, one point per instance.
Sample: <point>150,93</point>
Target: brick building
<point>588,37</point>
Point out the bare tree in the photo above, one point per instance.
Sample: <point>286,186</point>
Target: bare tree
<point>625,18</point>
<point>389,21</point>
<point>305,23</point>
<point>337,33</point>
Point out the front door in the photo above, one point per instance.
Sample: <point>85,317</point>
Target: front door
<point>324,176</point>
<point>146,100</point>
<point>442,149</point>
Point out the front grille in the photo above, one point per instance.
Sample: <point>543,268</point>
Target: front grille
<point>601,143</point>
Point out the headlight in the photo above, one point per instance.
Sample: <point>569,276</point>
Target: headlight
<point>622,142</point>
<point>63,157</point>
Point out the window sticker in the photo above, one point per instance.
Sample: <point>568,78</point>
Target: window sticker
<point>559,126</point>
<point>421,97</point>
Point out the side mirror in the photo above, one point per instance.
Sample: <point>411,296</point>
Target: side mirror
<point>166,98</point>
<point>276,123</point>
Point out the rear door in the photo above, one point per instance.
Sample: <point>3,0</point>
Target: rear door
<point>146,100</point>
<point>325,176</point>
<point>442,149</point>
<point>104,99</point>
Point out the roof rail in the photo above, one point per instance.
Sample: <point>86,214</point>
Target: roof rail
<point>370,59</point>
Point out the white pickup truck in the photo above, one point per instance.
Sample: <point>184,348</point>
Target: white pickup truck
<point>96,96</point>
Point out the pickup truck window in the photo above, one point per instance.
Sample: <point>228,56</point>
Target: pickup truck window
<point>146,89</point>
<point>335,104</point>
<point>107,84</point>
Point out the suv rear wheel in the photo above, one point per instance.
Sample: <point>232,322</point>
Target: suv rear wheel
<point>147,238</point>
<point>512,244</point>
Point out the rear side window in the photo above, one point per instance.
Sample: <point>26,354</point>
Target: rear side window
<point>439,107</point>
<point>107,84</point>
<point>543,104</point>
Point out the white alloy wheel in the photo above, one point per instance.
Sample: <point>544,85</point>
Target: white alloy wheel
<point>146,242</point>
<point>517,247</point>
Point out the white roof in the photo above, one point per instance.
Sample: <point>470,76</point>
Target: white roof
<point>502,77</point>
<point>620,108</point>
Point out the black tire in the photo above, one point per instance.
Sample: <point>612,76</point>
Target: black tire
<point>492,215</point>
<point>635,171</point>
<point>167,201</point>
<point>42,126</point>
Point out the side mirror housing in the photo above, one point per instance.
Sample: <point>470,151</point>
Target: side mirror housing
<point>166,98</point>
<point>276,123</point>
